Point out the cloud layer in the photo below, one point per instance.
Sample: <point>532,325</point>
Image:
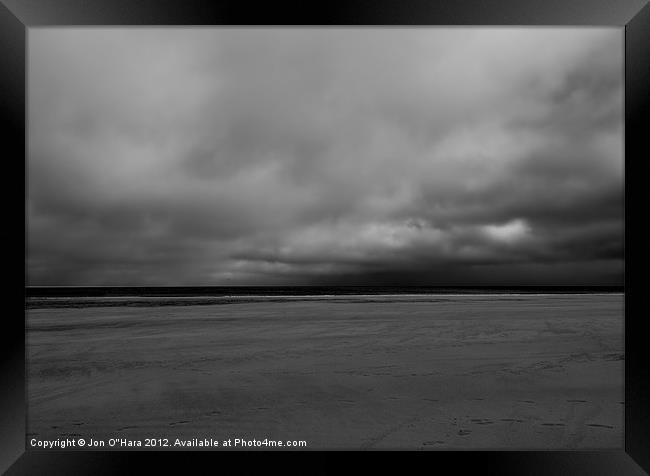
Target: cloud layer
<point>325,156</point>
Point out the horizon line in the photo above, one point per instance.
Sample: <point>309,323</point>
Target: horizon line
<point>332,285</point>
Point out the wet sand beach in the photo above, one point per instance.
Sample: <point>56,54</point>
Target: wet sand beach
<point>341,372</point>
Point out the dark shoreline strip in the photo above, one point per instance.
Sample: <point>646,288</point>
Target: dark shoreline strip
<point>222,291</point>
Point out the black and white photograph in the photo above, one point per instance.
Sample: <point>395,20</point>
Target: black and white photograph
<point>325,238</point>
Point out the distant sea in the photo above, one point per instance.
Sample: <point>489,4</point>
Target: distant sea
<point>189,291</point>
<point>139,296</point>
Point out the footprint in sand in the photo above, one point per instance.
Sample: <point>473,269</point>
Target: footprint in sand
<point>481,421</point>
<point>182,422</point>
<point>598,425</point>
<point>432,443</point>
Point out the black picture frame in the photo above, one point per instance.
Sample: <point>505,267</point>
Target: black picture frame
<point>16,16</point>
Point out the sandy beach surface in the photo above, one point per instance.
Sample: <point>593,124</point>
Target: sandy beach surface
<point>347,372</point>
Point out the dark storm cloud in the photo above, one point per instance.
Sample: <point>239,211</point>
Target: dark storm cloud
<point>269,156</point>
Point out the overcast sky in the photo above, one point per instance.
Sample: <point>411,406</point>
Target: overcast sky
<point>325,156</point>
